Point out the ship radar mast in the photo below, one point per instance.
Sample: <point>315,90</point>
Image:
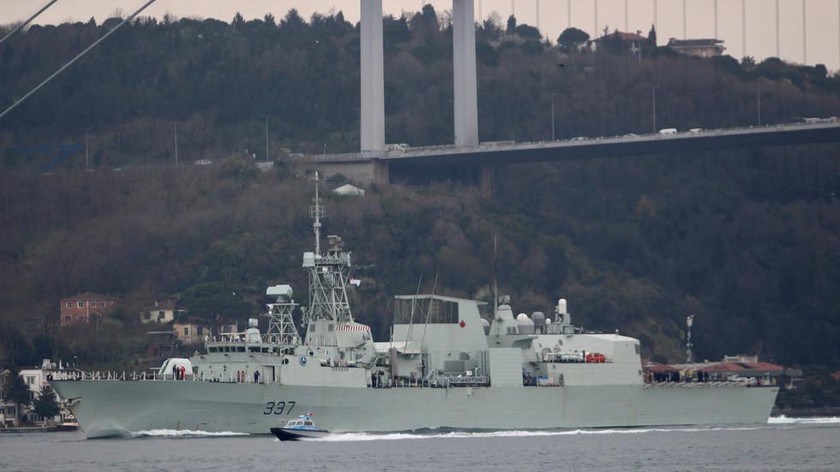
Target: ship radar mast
<point>281,325</point>
<point>316,212</point>
<point>329,274</point>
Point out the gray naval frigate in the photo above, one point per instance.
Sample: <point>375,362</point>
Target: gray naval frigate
<point>444,367</point>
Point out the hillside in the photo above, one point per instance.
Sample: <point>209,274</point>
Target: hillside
<point>746,241</point>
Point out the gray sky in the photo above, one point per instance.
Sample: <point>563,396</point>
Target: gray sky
<point>821,20</point>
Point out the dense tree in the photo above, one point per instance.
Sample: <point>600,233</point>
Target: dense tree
<point>46,405</point>
<point>17,391</point>
<point>528,33</point>
<point>571,39</point>
<point>651,38</point>
<point>511,25</point>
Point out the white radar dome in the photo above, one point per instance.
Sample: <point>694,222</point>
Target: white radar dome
<point>526,326</point>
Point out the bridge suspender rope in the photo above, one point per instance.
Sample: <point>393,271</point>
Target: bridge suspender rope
<point>22,25</point>
<point>79,56</point>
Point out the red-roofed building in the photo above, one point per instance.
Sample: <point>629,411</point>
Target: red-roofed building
<point>85,306</point>
<point>731,368</point>
<point>747,370</point>
<point>630,42</point>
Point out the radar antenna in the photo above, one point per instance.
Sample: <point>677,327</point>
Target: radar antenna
<point>281,324</point>
<point>316,211</point>
<point>329,274</point>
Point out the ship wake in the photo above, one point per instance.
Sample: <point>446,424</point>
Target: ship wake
<point>182,433</point>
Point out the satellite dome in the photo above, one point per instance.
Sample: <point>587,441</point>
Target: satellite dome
<point>526,326</point>
<point>252,335</point>
<point>538,318</point>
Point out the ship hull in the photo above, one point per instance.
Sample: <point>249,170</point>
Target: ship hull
<point>112,408</point>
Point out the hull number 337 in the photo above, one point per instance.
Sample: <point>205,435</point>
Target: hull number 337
<point>278,408</point>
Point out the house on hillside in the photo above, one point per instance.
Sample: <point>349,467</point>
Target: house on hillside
<point>697,47</point>
<point>349,190</point>
<point>621,41</point>
<point>161,312</point>
<point>190,333</point>
<point>161,344</point>
<point>83,307</point>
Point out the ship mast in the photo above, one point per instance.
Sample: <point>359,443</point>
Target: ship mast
<point>281,324</point>
<point>316,212</point>
<point>329,274</point>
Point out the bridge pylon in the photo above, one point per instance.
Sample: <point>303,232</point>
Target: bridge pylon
<point>464,68</point>
<point>372,109</point>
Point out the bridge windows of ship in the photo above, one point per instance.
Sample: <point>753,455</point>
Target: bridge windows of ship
<point>410,309</point>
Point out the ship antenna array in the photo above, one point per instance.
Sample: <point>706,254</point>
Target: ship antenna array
<point>316,212</point>
<point>281,324</point>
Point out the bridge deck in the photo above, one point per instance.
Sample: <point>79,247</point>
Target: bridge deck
<point>509,152</point>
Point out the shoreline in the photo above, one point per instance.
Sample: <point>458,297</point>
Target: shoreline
<point>824,412</point>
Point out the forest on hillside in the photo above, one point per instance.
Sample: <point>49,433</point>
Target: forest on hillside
<point>747,241</point>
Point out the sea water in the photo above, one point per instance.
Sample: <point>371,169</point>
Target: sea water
<point>782,444</point>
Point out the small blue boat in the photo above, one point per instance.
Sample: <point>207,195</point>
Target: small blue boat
<point>302,427</point>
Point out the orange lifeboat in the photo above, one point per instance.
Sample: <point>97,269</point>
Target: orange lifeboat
<point>595,358</point>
